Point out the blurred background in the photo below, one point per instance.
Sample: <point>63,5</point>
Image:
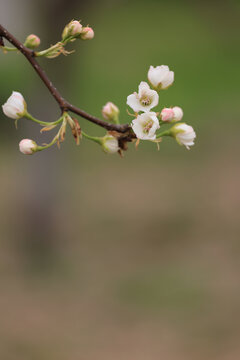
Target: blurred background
<point>106,258</point>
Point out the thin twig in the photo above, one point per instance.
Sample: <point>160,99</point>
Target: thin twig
<point>63,104</point>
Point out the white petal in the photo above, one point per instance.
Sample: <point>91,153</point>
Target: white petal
<point>143,87</point>
<point>133,102</point>
<point>168,80</point>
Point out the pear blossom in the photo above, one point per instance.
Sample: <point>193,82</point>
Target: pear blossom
<point>110,111</point>
<point>27,146</point>
<point>110,144</point>
<point>171,114</point>
<point>87,33</point>
<point>160,77</point>
<point>15,107</point>
<point>145,126</point>
<point>32,41</point>
<point>144,100</point>
<point>184,134</point>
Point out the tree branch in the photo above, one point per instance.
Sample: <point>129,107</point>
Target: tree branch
<point>63,104</point>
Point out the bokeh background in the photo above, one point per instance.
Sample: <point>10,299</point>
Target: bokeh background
<point>106,258</point>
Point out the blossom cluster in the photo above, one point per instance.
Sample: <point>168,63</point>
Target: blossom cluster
<point>147,122</point>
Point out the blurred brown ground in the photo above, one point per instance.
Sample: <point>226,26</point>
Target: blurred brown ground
<point>136,258</point>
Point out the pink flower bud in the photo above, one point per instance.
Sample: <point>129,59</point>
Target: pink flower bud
<point>74,28</point>
<point>32,41</point>
<point>172,114</point>
<point>167,114</point>
<point>27,146</point>
<point>87,33</point>
<point>110,112</point>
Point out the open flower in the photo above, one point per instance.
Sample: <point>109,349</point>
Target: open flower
<point>145,126</point>
<point>15,107</point>
<point>145,100</point>
<point>27,146</point>
<point>110,144</point>
<point>172,114</point>
<point>184,134</point>
<point>160,77</point>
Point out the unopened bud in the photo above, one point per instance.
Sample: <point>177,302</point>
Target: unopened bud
<point>87,33</point>
<point>74,28</point>
<point>27,146</point>
<point>110,112</point>
<point>110,144</point>
<point>160,77</point>
<point>184,134</point>
<point>32,41</point>
<point>15,106</point>
<point>172,114</point>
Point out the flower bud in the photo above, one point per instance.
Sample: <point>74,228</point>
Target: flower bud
<point>172,114</point>
<point>184,134</point>
<point>110,144</point>
<point>15,107</point>
<point>110,112</point>
<point>27,146</point>
<point>74,28</point>
<point>87,33</point>
<point>160,77</point>
<point>32,41</point>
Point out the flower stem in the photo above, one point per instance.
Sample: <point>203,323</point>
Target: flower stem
<point>40,148</point>
<point>7,48</point>
<point>164,133</point>
<point>30,117</point>
<point>49,50</point>
<point>93,138</point>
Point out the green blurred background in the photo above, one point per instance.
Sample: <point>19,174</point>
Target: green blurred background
<point>105,258</point>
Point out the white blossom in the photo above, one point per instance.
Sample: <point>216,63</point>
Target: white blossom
<point>160,77</point>
<point>184,134</point>
<point>110,144</point>
<point>172,114</point>
<point>27,146</point>
<point>145,126</point>
<point>144,100</point>
<point>15,106</point>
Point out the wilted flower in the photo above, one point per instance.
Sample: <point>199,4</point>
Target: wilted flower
<point>27,146</point>
<point>144,100</point>
<point>87,33</point>
<point>184,134</point>
<point>110,144</point>
<point>32,41</point>
<point>172,114</point>
<point>145,126</point>
<point>160,77</point>
<point>110,112</point>
<point>15,107</point>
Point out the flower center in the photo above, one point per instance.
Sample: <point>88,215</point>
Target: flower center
<point>145,100</point>
<point>147,126</point>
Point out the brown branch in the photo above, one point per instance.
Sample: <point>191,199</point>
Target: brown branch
<point>63,104</point>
